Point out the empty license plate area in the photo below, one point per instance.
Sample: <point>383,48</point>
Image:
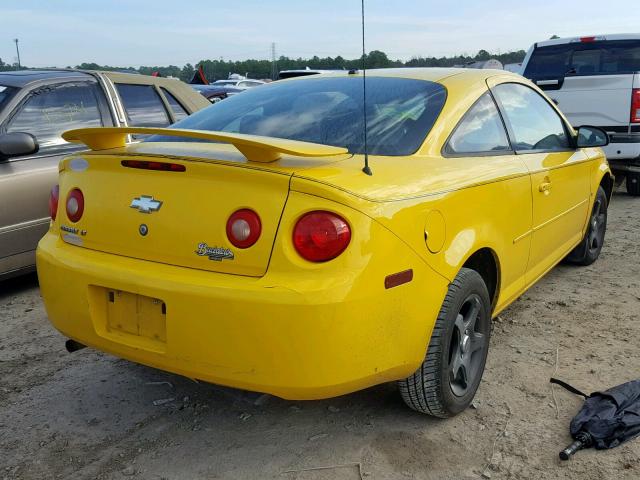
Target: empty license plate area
<point>137,315</point>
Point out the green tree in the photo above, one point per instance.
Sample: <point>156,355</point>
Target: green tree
<point>261,69</point>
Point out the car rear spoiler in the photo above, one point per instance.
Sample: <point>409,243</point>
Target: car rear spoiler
<point>255,148</point>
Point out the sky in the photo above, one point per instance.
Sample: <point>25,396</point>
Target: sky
<point>160,32</point>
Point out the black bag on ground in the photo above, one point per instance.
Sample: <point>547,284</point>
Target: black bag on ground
<point>606,419</point>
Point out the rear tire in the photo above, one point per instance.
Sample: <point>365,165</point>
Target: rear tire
<point>633,184</point>
<point>588,250</point>
<point>448,379</point>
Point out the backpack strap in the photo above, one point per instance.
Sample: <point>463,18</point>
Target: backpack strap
<point>568,387</point>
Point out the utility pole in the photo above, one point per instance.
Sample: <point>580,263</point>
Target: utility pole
<point>18,52</point>
<point>274,65</point>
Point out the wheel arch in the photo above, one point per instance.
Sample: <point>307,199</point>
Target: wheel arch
<point>485,261</point>
<point>606,182</point>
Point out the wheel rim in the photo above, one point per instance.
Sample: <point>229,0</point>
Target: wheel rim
<point>467,347</point>
<point>597,225</point>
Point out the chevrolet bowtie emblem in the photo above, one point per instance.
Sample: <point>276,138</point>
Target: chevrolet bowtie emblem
<point>146,204</point>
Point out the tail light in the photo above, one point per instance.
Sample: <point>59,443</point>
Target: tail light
<point>162,166</point>
<point>75,205</point>
<point>53,201</point>
<point>321,236</point>
<point>244,228</point>
<point>635,106</point>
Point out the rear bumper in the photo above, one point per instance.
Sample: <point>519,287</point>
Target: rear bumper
<point>623,147</point>
<point>276,334</point>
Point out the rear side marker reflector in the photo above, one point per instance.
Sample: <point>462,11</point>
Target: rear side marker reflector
<point>145,165</point>
<point>399,278</point>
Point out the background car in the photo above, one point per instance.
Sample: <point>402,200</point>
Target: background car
<point>303,72</point>
<point>595,80</point>
<point>216,93</point>
<point>221,89</point>
<point>240,84</point>
<point>40,105</point>
<point>273,261</point>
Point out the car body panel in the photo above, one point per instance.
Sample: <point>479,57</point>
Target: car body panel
<point>24,216</point>
<point>301,331</point>
<point>306,330</point>
<point>114,225</point>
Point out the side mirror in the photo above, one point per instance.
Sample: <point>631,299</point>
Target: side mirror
<point>592,137</point>
<point>17,144</point>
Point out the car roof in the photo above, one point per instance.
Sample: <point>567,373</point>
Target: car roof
<point>434,74</point>
<point>20,78</point>
<point>597,38</point>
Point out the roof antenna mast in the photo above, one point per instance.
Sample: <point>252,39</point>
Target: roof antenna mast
<point>366,168</point>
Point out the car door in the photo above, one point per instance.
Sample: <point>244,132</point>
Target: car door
<point>25,182</point>
<point>559,172</point>
<point>480,143</point>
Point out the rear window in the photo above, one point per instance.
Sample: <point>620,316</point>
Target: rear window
<point>400,113</point>
<point>583,59</point>
<point>143,105</point>
<point>179,112</point>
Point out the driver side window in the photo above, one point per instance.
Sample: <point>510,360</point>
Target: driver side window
<point>51,110</point>
<point>535,125</point>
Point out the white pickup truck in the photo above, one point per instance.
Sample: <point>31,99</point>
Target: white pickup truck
<point>595,81</point>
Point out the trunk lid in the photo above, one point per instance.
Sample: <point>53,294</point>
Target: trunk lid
<point>177,217</point>
<point>608,98</point>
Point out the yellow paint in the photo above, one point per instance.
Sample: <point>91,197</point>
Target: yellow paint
<point>435,231</point>
<point>268,320</point>
<point>254,147</point>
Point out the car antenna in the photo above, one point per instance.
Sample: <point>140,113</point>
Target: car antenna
<point>366,168</point>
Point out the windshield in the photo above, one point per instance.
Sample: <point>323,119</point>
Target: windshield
<point>225,82</point>
<point>582,59</point>
<point>400,113</point>
<point>6,93</point>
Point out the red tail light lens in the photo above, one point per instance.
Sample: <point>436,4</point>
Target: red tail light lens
<point>321,236</point>
<point>244,228</point>
<point>53,201</point>
<point>162,166</point>
<point>75,205</point>
<point>635,106</point>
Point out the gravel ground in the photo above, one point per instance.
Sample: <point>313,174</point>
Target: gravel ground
<point>88,415</point>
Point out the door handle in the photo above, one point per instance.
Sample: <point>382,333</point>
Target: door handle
<point>544,187</point>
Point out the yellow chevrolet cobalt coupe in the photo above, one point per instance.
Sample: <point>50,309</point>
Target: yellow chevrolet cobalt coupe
<point>246,246</point>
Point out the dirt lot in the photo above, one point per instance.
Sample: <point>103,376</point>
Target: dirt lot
<point>88,415</point>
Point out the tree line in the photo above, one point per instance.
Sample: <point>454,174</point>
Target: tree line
<point>263,69</point>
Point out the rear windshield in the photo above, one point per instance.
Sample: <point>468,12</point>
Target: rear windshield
<point>400,113</point>
<point>583,59</point>
<point>6,93</point>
